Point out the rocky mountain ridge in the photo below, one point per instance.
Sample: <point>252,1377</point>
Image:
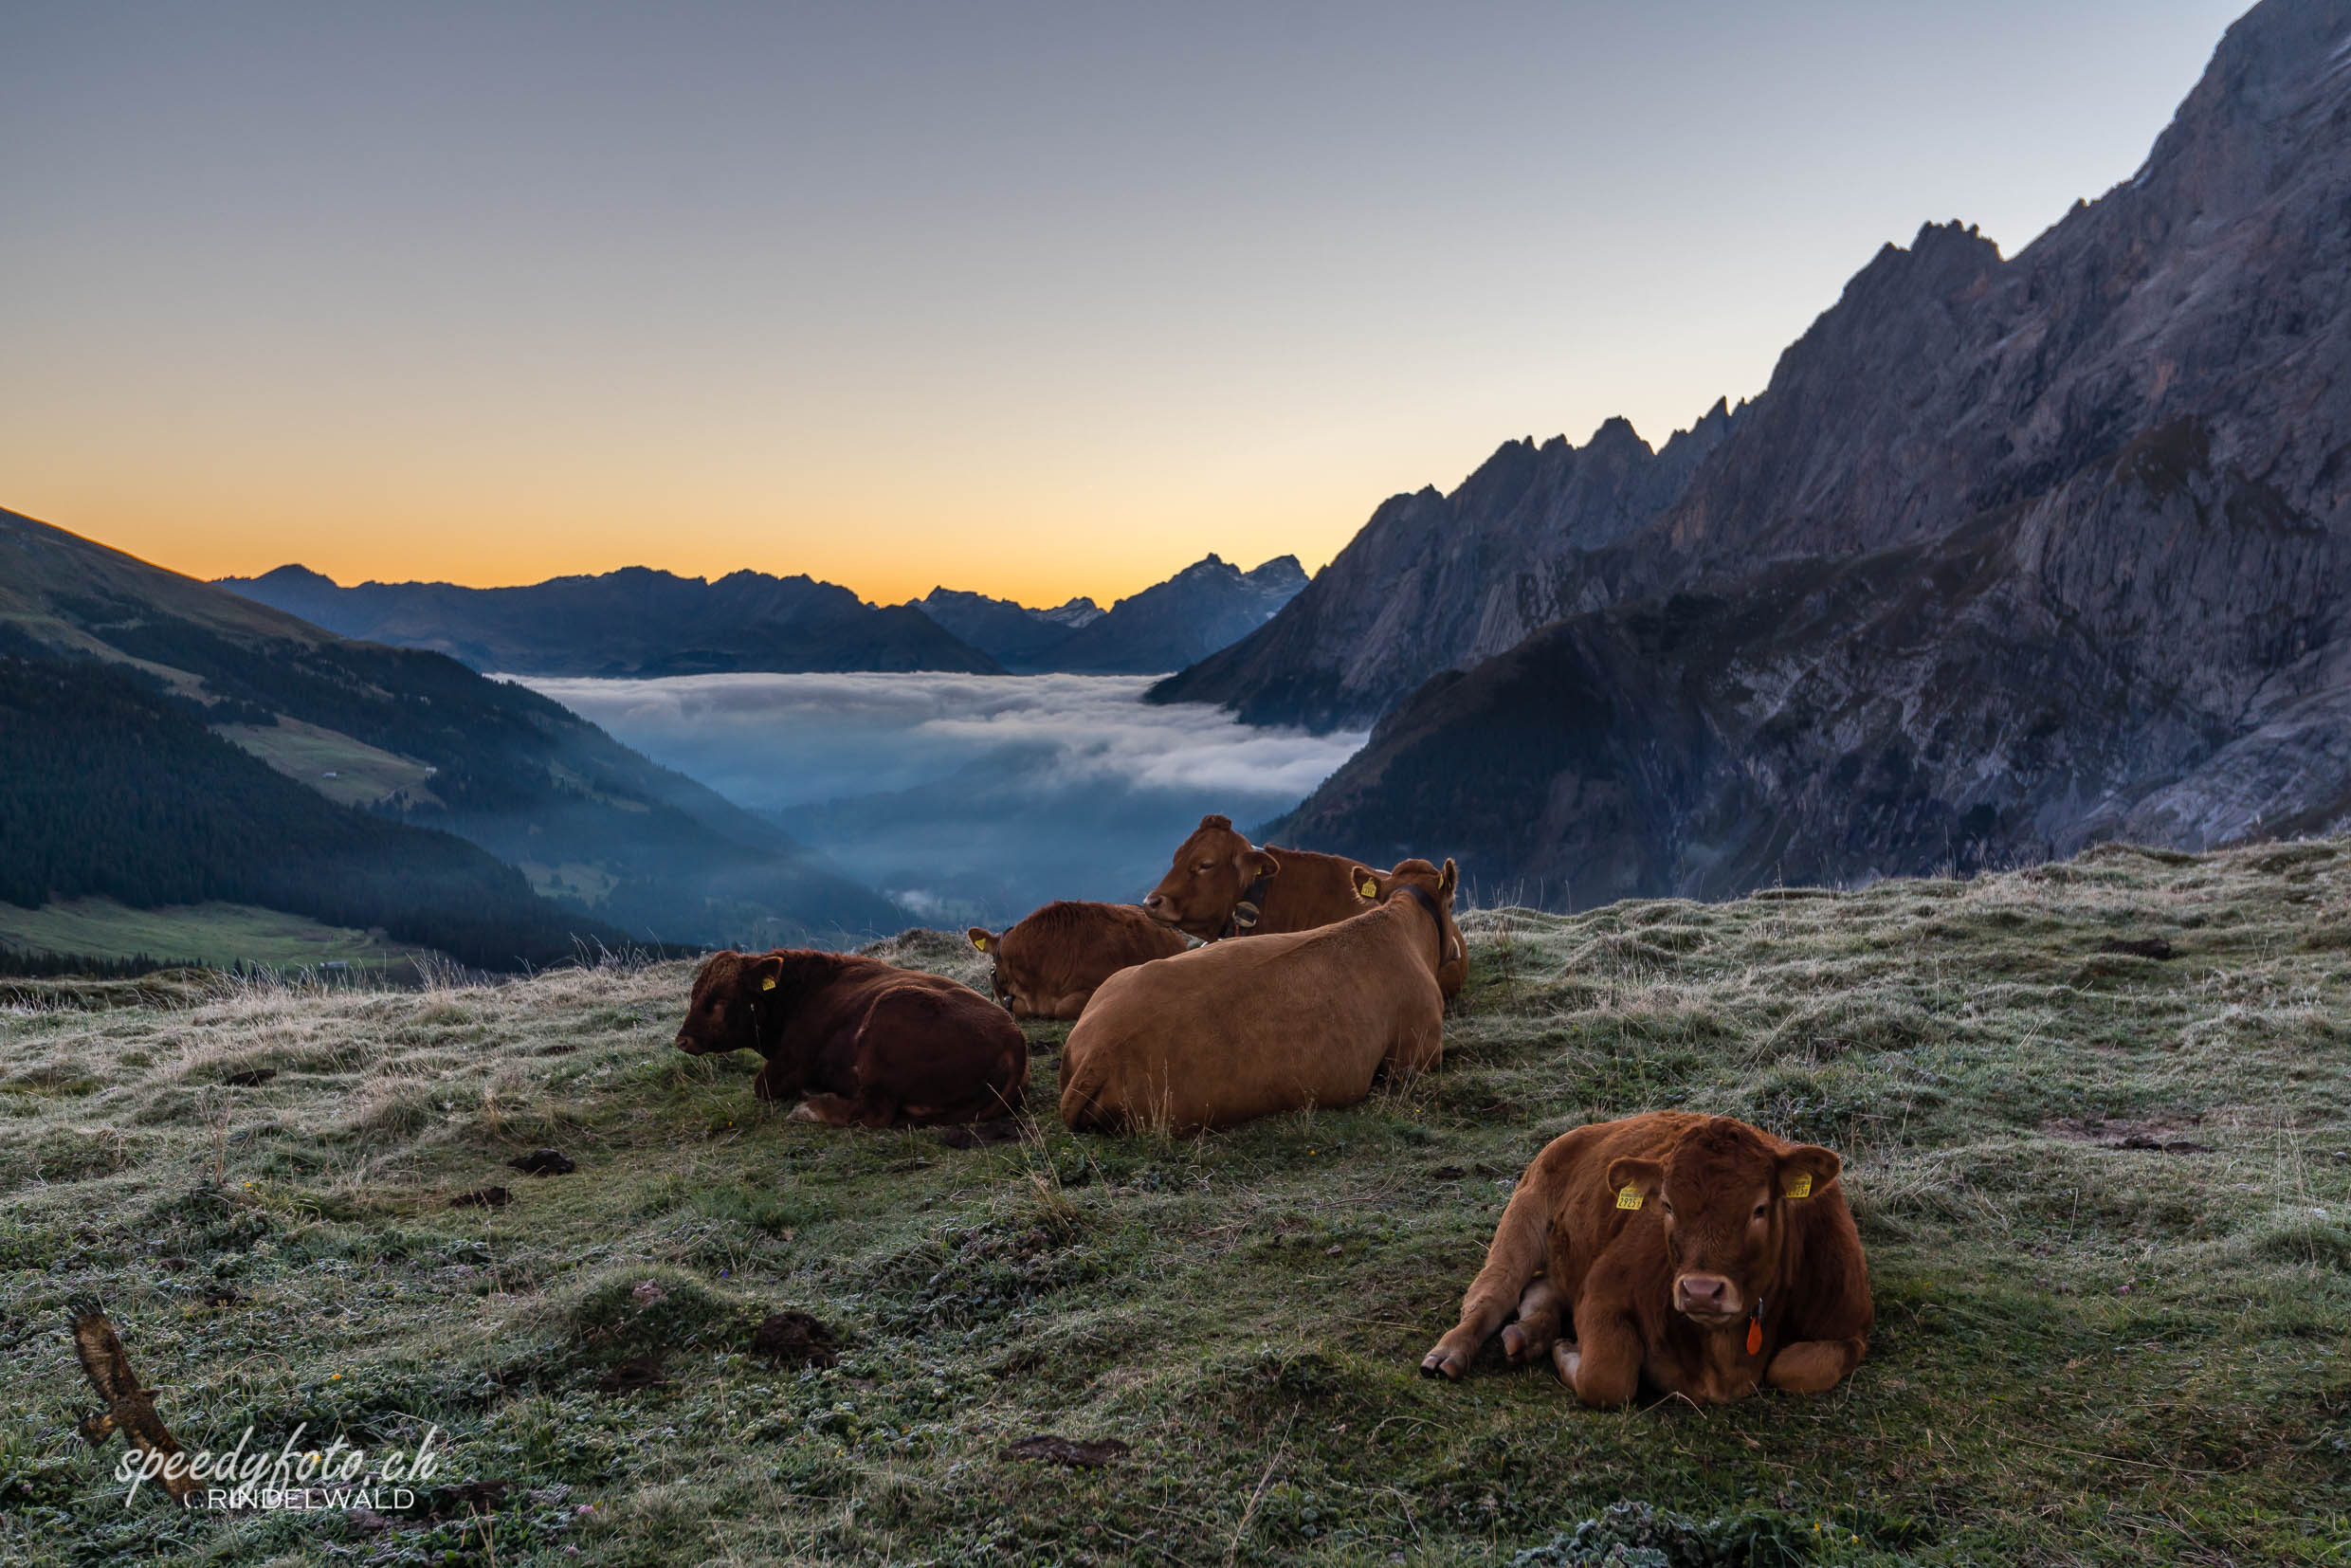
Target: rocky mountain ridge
<point>2011,556</point>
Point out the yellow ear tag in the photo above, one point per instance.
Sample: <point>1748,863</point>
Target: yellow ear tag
<point>980,942</point>
<point>1800,1184</point>
<point>1368,890</point>
<point>1628,1196</point>
<point>768,984</point>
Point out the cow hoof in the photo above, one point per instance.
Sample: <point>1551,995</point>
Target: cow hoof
<point>1567,1361</point>
<point>802,1113</point>
<point>1437,1363</point>
<point>1516,1342</point>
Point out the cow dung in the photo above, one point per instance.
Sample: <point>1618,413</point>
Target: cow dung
<point>544,1162</point>
<point>977,1135</point>
<point>2138,947</point>
<point>1065,1450</point>
<point>488,1198</point>
<point>793,1338</point>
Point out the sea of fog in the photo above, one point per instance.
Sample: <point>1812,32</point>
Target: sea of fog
<point>967,797</point>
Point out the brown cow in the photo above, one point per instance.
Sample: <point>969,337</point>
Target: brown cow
<point>1235,1031</point>
<point>1696,1251</point>
<point>1222,885</point>
<point>1050,964</point>
<point>866,1043</point>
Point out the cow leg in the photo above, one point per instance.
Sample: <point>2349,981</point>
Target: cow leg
<point>1539,1322</point>
<point>1813,1366</point>
<point>1069,1004</point>
<point>1603,1366</point>
<point>1513,1261</point>
<point>831,1109</point>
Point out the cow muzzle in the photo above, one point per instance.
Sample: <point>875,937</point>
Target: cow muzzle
<point>687,1044</point>
<point>1708,1299</point>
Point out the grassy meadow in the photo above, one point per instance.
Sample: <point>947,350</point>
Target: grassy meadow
<point>219,933</point>
<point>2107,1196</point>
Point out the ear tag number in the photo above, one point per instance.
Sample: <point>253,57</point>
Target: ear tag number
<point>768,984</point>
<point>1800,1184</point>
<point>1628,1196</point>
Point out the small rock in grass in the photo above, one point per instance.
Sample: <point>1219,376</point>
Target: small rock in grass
<point>250,1077</point>
<point>544,1162</point>
<point>2138,947</point>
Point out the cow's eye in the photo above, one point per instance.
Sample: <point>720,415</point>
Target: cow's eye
<point>1761,1208</point>
<point>1667,1206</point>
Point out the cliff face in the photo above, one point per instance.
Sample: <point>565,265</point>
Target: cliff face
<point>2010,554</point>
<point>1433,581</point>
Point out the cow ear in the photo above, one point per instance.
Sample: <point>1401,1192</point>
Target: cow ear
<point>763,974</point>
<point>1806,1169</point>
<point>1635,1181</point>
<point>1257,862</point>
<point>1450,879</point>
<point>1366,885</point>
<point>982,937</point>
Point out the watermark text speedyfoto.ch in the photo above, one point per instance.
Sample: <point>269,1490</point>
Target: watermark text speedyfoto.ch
<point>337,1476</point>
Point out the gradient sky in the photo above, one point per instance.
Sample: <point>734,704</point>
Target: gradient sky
<point>1036,299</point>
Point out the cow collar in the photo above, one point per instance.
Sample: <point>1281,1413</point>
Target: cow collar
<point>1430,903</point>
<point>1247,912</point>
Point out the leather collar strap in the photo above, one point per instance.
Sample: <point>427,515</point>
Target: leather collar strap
<point>1247,912</point>
<point>1430,903</point>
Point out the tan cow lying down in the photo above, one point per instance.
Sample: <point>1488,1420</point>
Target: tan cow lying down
<point>1049,964</point>
<point>869,1044</point>
<point>1697,1253</point>
<point>1235,1031</point>
<point>1222,885</point>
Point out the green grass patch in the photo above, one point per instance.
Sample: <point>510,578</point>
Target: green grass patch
<point>2107,1202</point>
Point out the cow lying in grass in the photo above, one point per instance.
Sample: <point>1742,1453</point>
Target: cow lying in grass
<point>865,1042</point>
<point>1220,884</point>
<point>1235,1031</point>
<point>1697,1253</point>
<point>1050,964</point>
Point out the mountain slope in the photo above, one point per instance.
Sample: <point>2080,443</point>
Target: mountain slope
<point>593,825</point>
<point>2028,553</point>
<point>1435,581</point>
<point>633,622</point>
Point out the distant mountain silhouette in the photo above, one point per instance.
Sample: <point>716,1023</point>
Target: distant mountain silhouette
<point>1019,638</point>
<point>631,623</point>
<point>1199,610</point>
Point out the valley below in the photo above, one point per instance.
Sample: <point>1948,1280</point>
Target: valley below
<point>966,798</point>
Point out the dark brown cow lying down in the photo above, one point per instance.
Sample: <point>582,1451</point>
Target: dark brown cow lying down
<point>1235,1031</point>
<point>1220,884</point>
<point>1048,964</point>
<point>866,1043</point>
<point>1697,1253</point>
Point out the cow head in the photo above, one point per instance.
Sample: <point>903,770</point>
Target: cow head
<point>1213,871</point>
<point>1440,886</point>
<point>1723,1196</point>
<point>733,1005</point>
<point>992,943</point>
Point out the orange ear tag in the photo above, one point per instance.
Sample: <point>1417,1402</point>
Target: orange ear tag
<point>1755,1337</point>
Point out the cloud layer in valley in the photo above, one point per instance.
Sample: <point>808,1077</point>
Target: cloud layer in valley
<point>967,796</point>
